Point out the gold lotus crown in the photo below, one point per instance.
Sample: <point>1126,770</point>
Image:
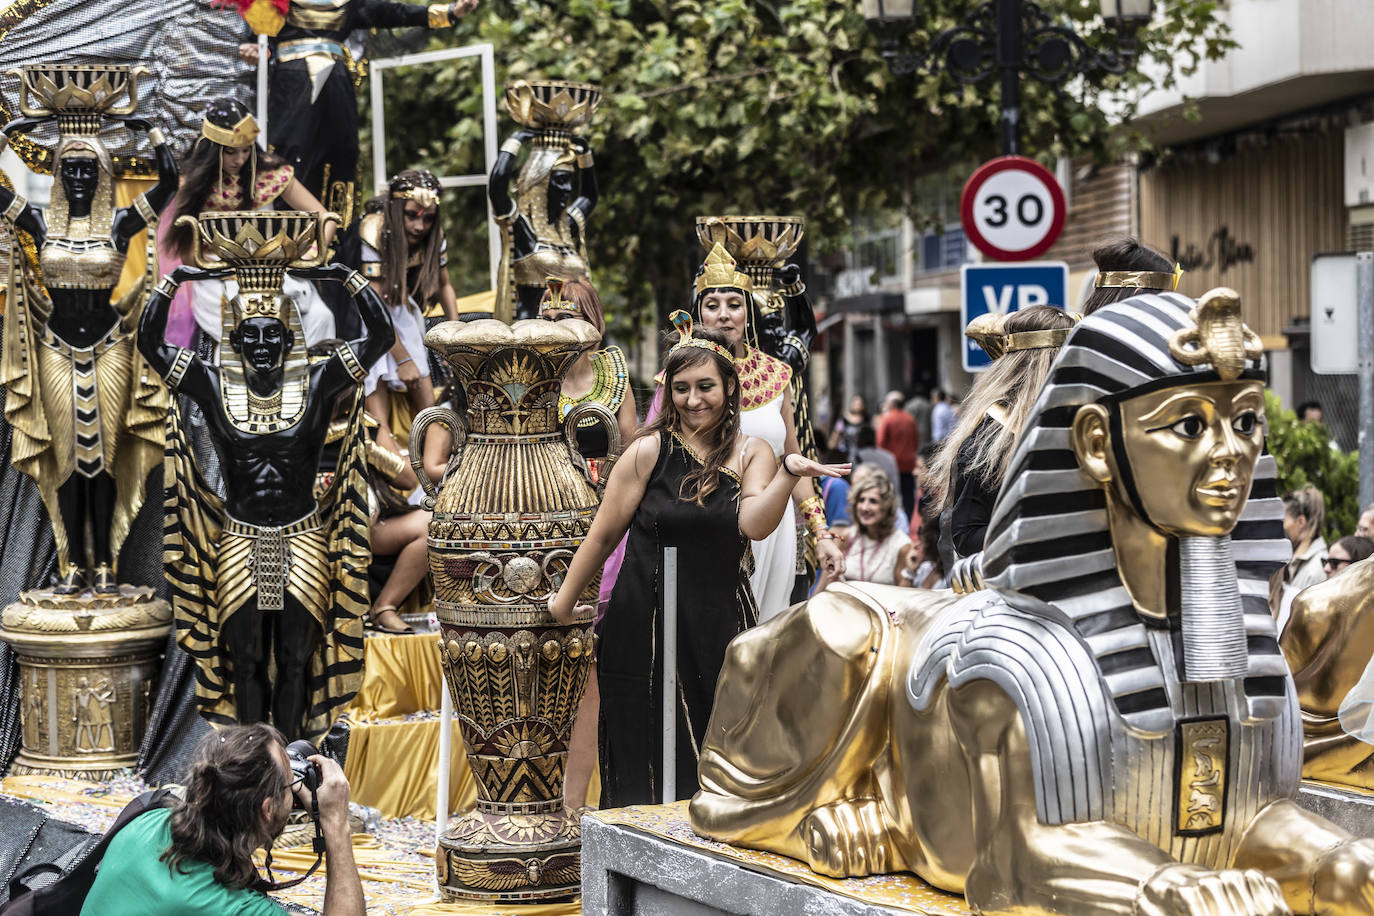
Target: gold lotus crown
<point>46,89</point>
<point>762,240</point>
<point>237,137</point>
<point>553,104</point>
<point>1220,339</point>
<point>719,273</point>
<point>259,245</point>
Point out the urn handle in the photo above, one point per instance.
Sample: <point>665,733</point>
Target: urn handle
<point>605,418</point>
<point>448,419</point>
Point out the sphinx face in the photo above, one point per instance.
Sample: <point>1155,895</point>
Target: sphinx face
<point>1192,453</point>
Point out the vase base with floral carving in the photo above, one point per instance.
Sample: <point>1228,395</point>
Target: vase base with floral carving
<point>512,509</point>
<point>87,667</point>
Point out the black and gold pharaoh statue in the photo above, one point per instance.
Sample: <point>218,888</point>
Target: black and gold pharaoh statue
<point>269,583</point>
<point>544,223</point>
<point>87,416</point>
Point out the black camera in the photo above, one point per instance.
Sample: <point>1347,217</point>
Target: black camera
<point>303,770</point>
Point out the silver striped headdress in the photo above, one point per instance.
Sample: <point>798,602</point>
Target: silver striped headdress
<point>1048,539</point>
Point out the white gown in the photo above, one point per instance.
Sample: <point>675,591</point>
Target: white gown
<point>775,557</point>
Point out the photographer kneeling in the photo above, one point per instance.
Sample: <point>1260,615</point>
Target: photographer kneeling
<point>197,856</point>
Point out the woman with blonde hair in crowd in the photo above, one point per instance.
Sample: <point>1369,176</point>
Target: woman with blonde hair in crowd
<point>1304,519</point>
<point>967,471</point>
<point>878,547</point>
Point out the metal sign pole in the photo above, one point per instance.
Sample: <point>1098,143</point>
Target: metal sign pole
<point>1364,290</point>
<point>263,51</point>
<point>669,674</point>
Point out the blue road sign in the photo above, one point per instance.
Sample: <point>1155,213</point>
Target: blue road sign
<point>1003,288</point>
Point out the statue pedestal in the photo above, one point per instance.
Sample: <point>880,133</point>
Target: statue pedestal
<point>1350,809</point>
<point>87,664</point>
<point>645,860</point>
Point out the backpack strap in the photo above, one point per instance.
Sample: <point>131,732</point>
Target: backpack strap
<point>67,893</point>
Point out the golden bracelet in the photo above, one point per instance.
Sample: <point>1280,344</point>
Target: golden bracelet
<point>355,283</point>
<point>352,364</point>
<point>813,514</point>
<point>145,209</point>
<point>584,160</point>
<point>167,286</point>
<point>440,15</point>
<point>156,137</point>
<point>16,208</point>
<point>512,146</point>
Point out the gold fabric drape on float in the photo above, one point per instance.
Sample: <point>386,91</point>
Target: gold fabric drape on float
<point>391,763</point>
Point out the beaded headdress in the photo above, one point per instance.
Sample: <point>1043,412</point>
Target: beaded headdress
<point>421,187</point>
<point>718,272</point>
<point>683,323</point>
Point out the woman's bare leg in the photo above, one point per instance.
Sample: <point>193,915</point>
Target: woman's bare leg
<point>582,746</point>
<point>405,536</point>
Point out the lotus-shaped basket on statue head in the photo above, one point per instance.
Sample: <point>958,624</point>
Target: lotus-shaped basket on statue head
<point>259,245</point>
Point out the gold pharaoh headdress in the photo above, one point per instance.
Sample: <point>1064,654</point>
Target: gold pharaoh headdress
<point>683,323</point>
<point>986,331</point>
<point>1220,337</point>
<point>240,135</point>
<point>1139,279</point>
<point>719,273</point>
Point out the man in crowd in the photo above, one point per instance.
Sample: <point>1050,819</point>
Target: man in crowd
<point>919,408</point>
<point>898,434</point>
<point>1365,527</point>
<point>1310,412</point>
<point>942,418</point>
<point>197,856</point>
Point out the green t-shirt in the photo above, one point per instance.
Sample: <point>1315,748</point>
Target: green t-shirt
<point>133,879</point>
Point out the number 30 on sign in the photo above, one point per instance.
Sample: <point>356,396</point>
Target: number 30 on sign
<point>1012,209</point>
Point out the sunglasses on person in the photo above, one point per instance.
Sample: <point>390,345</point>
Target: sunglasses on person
<point>1335,562</point>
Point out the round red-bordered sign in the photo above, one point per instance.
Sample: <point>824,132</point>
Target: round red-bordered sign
<point>1012,209</point>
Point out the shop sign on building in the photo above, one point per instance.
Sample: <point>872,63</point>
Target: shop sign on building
<point>1335,333</point>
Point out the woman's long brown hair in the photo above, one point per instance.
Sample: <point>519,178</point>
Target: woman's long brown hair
<point>221,822</point>
<point>394,251</point>
<point>721,436</point>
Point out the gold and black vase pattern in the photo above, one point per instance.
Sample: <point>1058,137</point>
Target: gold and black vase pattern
<point>514,505</point>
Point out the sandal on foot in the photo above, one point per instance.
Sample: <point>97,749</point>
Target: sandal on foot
<point>372,622</point>
<point>104,580</point>
<point>72,582</point>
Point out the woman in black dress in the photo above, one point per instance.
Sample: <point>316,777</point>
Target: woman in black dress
<point>689,481</point>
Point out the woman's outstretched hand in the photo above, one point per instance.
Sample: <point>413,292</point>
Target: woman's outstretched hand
<point>801,466</point>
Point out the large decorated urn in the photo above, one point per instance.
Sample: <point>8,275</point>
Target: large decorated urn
<point>514,504</point>
<point>87,667</point>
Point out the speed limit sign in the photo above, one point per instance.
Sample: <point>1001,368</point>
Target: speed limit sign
<point>1012,209</point>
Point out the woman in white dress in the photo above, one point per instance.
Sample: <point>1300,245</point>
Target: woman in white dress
<point>722,302</point>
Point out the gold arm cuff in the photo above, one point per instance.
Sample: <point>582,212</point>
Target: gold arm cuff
<point>794,289</point>
<point>145,210</point>
<point>372,270</point>
<point>355,283</point>
<point>352,364</point>
<point>167,286</point>
<point>177,370</point>
<point>813,514</point>
<point>388,463</point>
<point>440,15</point>
<point>584,160</point>
<point>16,208</point>
<point>156,137</point>
<point>512,146</point>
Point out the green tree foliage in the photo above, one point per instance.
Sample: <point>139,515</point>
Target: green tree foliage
<point>1305,454</point>
<point>773,106</point>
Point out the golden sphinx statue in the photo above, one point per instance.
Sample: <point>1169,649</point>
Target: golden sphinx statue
<point>1109,727</point>
<point>1329,641</point>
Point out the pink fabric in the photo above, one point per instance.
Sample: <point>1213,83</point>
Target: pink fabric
<point>181,320</point>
